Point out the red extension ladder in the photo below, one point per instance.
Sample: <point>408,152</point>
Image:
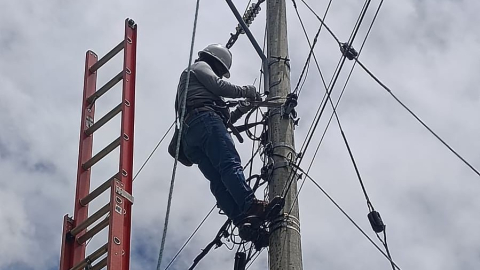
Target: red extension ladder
<point>118,215</point>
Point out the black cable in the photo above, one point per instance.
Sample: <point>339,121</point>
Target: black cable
<point>190,238</point>
<point>337,103</point>
<point>385,244</point>
<point>322,21</point>
<point>417,118</point>
<point>349,218</point>
<point>254,259</point>
<point>154,149</point>
<point>312,46</point>
<point>331,86</point>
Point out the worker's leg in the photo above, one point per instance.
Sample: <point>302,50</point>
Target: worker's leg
<point>208,133</point>
<point>224,157</point>
<point>195,136</point>
<point>223,197</point>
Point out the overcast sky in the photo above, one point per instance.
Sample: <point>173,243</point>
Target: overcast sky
<point>426,51</point>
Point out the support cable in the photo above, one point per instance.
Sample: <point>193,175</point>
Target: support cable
<point>202,222</point>
<point>312,46</point>
<point>153,151</point>
<point>380,226</point>
<point>416,117</point>
<point>190,238</point>
<point>344,87</point>
<point>331,86</point>
<point>182,116</point>
<point>387,256</point>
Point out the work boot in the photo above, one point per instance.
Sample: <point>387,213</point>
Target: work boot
<point>274,207</point>
<point>262,240</point>
<point>257,209</point>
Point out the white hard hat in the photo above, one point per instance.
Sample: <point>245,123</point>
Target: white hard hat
<point>222,54</point>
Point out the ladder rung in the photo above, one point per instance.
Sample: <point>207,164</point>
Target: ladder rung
<point>105,88</point>
<point>89,234</point>
<point>99,190</point>
<point>90,220</point>
<point>105,151</point>
<point>107,57</point>
<point>91,258</point>
<point>104,120</point>
<point>100,264</point>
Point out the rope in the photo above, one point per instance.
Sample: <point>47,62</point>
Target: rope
<point>182,116</point>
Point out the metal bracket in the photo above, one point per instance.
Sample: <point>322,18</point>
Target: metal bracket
<point>120,191</point>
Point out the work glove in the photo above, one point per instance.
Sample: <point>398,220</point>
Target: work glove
<point>250,92</point>
<point>242,108</point>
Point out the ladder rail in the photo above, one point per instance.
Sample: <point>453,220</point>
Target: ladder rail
<point>120,224</point>
<point>117,212</point>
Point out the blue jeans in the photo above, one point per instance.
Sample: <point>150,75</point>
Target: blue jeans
<point>207,143</point>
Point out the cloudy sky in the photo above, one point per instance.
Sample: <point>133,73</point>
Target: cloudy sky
<point>425,51</point>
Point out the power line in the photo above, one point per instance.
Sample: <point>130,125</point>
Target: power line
<point>416,117</point>
<point>190,238</point>
<point>331,85</point>
<point>349,218</point>
<point>153,151</point>
<point>364,10</point>
<point>312,46</point>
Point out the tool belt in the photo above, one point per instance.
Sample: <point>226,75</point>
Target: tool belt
<point>220,108</point>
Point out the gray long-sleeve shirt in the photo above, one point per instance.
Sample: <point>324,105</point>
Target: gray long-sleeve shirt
<point>205,86</point>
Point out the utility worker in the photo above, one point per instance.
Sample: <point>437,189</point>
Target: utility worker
<point>205,140</point>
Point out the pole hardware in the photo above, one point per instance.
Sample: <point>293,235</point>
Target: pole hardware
<point>288,108</point>
<point>266,75</point>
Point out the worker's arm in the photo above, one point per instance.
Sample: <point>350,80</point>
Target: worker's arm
<point>219,87</point>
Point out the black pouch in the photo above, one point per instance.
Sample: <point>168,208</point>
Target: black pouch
<point>172,147</point>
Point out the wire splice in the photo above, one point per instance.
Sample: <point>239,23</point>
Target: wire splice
<point>348,51</point>
<point>376,221</point>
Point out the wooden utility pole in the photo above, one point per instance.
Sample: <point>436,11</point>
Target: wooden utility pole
<point>285,245</point>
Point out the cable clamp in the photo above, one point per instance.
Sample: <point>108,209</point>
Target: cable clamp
<point>348,51</point>
<point>288,108</point>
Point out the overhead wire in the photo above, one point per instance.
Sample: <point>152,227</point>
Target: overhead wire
<point>349,218</point>
<point>330,88</point>
<point>334,107</point>
<point>417,118</point>
<point>189,238</point>
<point>182,116</point>
<point>153,151</point>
